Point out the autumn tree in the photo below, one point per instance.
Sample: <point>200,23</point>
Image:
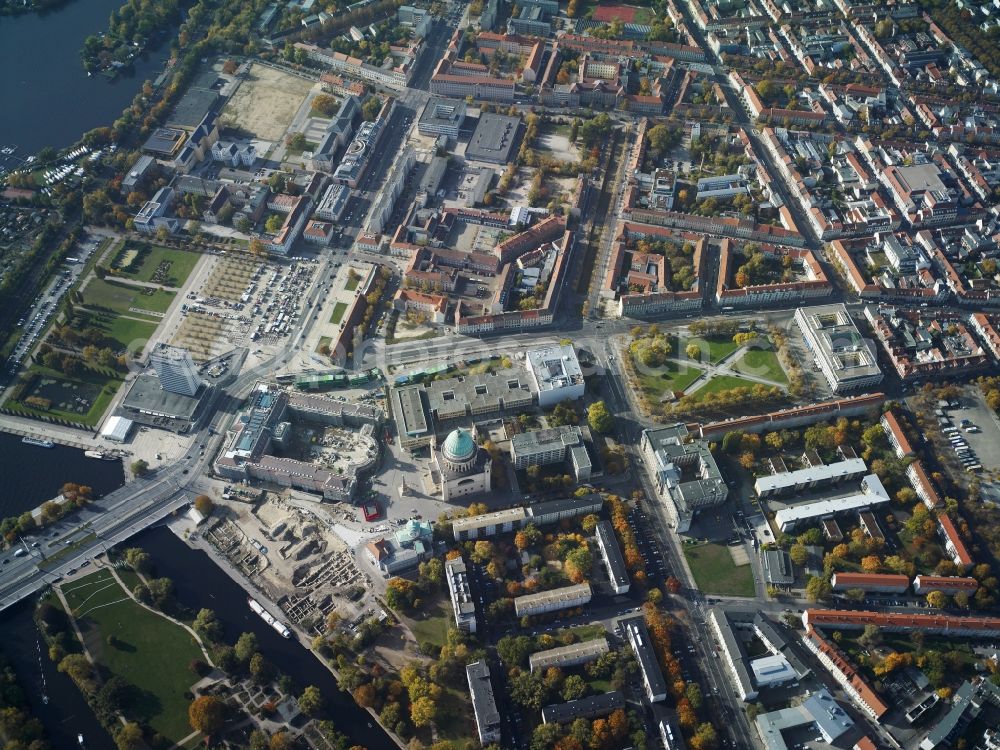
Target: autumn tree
<point>311,701</point>
<point>937,599</point>
<point>207,714</point>
<point>204,505</point>
<point>129,737</point>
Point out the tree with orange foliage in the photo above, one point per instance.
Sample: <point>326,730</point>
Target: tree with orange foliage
<point>892,662</point>
<point>871,564</point>
<point>673,585</point>
<point>365,695</point>
<point>685,714</point>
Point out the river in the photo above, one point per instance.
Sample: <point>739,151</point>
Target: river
<point>48,99</point>
<point>200,583</point>
<point>33,475</point>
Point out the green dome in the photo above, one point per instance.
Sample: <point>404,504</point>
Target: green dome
<point>459,446</point>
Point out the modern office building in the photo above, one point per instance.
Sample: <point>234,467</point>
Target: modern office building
<point>176,370</point>
<point>555,373</point>
<point>484,703</point>
<point>460,589</point>
<point>442,117</point>
<point>553,600</point>
<point>843,356</point>
<point>649,667</point>
<point>607,542</point>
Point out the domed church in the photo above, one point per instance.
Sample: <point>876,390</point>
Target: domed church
<point>461,467</point>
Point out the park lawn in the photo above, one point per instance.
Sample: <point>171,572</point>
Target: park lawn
<point>718,348</point>
<point>722,383</point>
<point>120,297</point>
<point>763,363</point>
<point>132,334</point>
<point>672,376</point>
<point>338,312</point>
<point>182,263</point>
<point>715,573</point>
<point>152,653</point>
<point>352,282</point>
<point>109,387</point>
<point>582,632</point>
<point>432,627</point>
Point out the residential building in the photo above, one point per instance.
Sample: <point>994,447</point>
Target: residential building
<point>484,703</point>
<point>645,654</point>
<point>732,653</point>
<point>945,584</point>
<point>874,582</point>
<point>892,622</point>
<point>569,656</point>
<point>512,519</point>
<point>872,494</point>
<point>553,600</point>
<point>460,589</point>
<point>922,484</point>
<point>896,435</point>
<point>841,670</point>
<point>953,543</point>
<point>607,542</point>
<point>583,708</point>
<point>809,478</point>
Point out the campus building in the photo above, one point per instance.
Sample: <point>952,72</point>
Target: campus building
<point>555,373</point>
<point>684,472</point>
<point>842,355</point>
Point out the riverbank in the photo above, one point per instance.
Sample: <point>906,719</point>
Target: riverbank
<point>186,531</point>
<point>34,475</point>
<point>203,581</point>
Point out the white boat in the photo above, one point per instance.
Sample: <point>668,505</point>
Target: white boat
<point>41,443</point>
<point>269,618</point>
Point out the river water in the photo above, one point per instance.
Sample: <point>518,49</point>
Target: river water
<point>199,583</point>
<point>48,99</point>
<point>32,475</point>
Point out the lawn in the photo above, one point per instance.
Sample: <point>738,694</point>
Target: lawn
<point>656,381</point>
<point>433,624</point>
<point>352,282</point>
<point>582,632</point>
<point>120,297</point>
<point>338,312</point>
<point>148,651</point>
<point>718,348</point>
<point>763,363</point>
<point>715,573</point>
<point>722,383</point>
<point>177,265</point>
<point>324,341</point>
